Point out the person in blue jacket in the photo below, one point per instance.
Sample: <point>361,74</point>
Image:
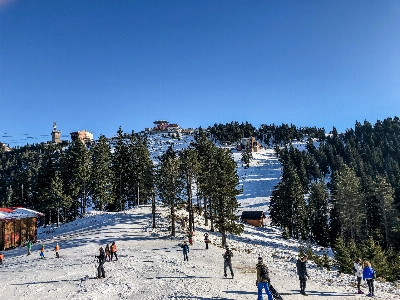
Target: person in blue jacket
<point>185,248</point>
<point>369,275</point>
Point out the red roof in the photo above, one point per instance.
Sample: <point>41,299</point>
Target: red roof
<point>18,212</point>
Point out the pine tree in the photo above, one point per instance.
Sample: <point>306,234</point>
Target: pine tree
<point>169,183</point>
<point>224,194</point>
<point>318,213</point>
<point>120,167</point>
<point>102,175</point>
<point>189,168</point>
<point>347,202</point>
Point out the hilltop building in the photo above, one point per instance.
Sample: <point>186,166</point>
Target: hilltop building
<point>249,143</point>
<point>55,134</point>
<point>163,126</point>
<point>4,147</point>
<point>83,135</point>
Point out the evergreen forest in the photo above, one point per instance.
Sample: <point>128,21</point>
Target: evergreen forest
<point>341,191</point>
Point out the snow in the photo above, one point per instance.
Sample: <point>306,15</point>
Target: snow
<point>151,265</point>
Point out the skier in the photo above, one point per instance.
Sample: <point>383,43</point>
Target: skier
<point>57,248</point>
<point>227,261</point>
<point>262,279</point>
<point>369,275</point>
<point>29,246</point>
<point>206,240</point>
<point>1,258</point>
<point>358,272</point>
<point>108,253</point>
<point>302,273</point>
<point>113,250</point>
<point>185,248</point>
<point>100,269</point>
<point>42,251</point>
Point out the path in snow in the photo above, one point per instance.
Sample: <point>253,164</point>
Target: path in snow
<point>151,265</point>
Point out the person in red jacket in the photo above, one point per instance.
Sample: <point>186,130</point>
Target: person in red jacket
<point>113,250</point>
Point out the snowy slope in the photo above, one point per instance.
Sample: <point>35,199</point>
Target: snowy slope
<point>151,265</point>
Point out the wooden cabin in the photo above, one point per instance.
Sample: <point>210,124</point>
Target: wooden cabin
<point>17,226</point>
<point>255,218</point>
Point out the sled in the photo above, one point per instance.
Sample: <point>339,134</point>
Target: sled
<point>274,293</point>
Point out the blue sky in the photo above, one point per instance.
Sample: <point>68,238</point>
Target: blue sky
<point>98,65</point>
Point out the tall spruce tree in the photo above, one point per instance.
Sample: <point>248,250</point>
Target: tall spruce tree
<point>189,167</point>
<point>288,206</point>
<point>347,203</point>
<point>224,194</point>
<point>120,166</point>
<point>169,183</point>
<point>102,175</point>
<point>318,213</point>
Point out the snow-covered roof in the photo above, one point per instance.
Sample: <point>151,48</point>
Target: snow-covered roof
<point>18,213</point>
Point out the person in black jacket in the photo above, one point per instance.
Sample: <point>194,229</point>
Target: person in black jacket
<point>100,269</point>
<point>302,273</point>
<point>227,261</point>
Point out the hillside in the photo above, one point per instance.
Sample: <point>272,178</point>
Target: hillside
<point>151,265</point>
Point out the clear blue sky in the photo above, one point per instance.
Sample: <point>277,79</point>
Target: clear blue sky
<point>98,65</point>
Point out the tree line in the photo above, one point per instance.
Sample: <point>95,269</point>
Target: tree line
<point>62,181</point>
<point>343,192</point>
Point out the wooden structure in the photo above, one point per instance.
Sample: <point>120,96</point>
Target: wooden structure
<point>254,218</point>
<point>17,226</point>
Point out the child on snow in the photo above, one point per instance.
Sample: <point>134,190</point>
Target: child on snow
<point>42,251</point>
<point>185,248</point>
<point>57,248</point>
<point>108,253</point>
<point>29,247</point>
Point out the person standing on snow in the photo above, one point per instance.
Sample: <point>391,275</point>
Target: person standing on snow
<point>113,250</point>
<point>42,251</point>
<point>227,261</point>
<point>185,248</point>
<point>302,273</point>
<point>206,239</point>
<point>29,246</point>
<point>369,275</point>
<point>358,272</point>
<point>262,279</point>
<point>100,269</point>
<point>57,248</point>
<point>108,253</point>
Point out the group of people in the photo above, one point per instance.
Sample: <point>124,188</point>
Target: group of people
<point>41,253</point>
<point>364,271</point>
<point>105,255</point>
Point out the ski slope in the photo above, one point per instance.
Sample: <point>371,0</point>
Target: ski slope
<point>151,265</point>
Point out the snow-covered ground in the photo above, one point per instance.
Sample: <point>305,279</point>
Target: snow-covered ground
<point>151,265</point>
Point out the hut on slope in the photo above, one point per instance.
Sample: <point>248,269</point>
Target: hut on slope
<point>255,218</point>
<point>17,226</point>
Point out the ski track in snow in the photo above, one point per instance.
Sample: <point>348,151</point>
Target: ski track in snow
<point>151,265</point>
